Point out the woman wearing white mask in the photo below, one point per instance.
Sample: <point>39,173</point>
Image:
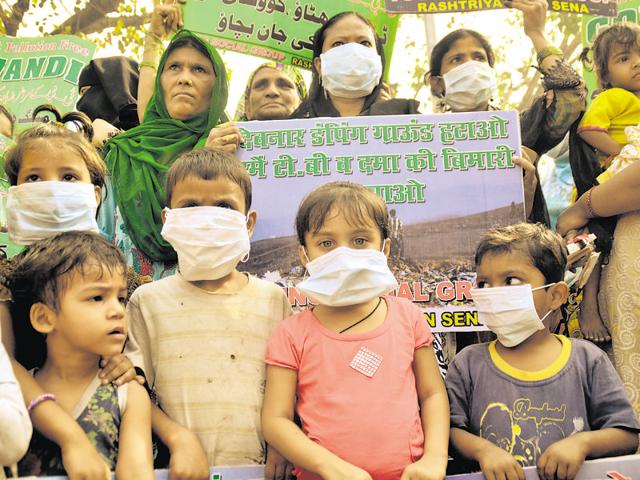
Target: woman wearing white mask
<point>462,79</point>
<point>348,68</point>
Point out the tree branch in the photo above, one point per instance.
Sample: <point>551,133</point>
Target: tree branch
<point>110,22</point>
<point>14,19</point>
<point>82,20</point>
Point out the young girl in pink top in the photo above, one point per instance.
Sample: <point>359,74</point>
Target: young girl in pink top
<point>369,393</point>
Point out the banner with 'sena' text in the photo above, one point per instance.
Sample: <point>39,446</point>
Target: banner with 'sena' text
<point>583,7</point>
<point>280,30</point>
<point>445,178</point>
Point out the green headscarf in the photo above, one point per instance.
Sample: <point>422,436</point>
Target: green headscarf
<point>139,159</point>
<point>292,72</point>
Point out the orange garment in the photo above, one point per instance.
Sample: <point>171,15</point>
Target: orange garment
<point>372,422</point>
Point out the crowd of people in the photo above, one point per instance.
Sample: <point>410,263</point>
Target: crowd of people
<point>128,313</point>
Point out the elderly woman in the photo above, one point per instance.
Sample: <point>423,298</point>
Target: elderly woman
<point>348,68</point>
<point>273,92</point>
<point>188,101</point>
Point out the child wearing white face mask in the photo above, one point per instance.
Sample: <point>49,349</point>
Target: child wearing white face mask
<point>532,398</point>
<point>200,334</point>
<point>369,393</point>
<point>56,176</point>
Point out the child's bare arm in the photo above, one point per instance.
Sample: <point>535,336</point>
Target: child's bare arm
<point>282,433</point>
<point>564,458</point>
<point>80,459</point>
<point>495,463</point>
<point>134,451</point>
<point>434,408</point>
<point>188,460</point>
<point>601,141</point>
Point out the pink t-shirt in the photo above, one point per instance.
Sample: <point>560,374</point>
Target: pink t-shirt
<point>363,409</point>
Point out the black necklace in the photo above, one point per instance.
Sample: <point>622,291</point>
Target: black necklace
<point>363,319</point>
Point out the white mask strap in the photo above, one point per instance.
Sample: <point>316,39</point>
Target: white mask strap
<point>543,286</point>
<point>306,272</point>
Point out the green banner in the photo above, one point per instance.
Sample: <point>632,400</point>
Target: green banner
<point>280,30</point>
<point>627,12</point>
<point>582,7</point>
<point>35,71</point>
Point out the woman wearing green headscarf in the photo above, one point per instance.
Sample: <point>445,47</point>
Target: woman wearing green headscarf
<point>273,92</point>
<point>188,101</point>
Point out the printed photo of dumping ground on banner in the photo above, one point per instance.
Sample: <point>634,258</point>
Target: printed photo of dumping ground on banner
<point>446,179</point>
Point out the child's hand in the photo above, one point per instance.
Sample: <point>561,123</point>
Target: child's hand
<point>277,468</point>
<point>344,471</point>
<point>81,461</point>
<point>118,370</point>
<point>562,459</point>
<point>427,468</point>
<point>188,460</point>
<point>496,464</point>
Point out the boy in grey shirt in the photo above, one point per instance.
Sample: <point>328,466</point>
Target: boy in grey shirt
<point>531,397</point>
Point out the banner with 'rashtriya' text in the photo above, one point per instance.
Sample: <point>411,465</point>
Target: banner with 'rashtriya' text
<point>582,7</point>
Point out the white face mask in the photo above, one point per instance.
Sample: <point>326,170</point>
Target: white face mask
<point>509,312</point>
<point>39,210</point>
<point>351,70</point>
<point>469,86</point>
<point>210,241</point>
<point>346,276</point>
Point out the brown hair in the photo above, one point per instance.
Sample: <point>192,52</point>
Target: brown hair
<point>625,34</point>
<point>4,111</point>
<point>544,247</point>
<point>41,275</point>
<point>358,203</point>
<point>49,131</point>
<point>209,164</point>
<point>444,45</point>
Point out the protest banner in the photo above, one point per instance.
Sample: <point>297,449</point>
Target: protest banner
<point>33,72</point>
<point>445,178</point>
<point>277,29</point>
<point>582,7</point>
<point>627,12</point>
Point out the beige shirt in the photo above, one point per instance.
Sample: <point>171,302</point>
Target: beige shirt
<point>204,354</point>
